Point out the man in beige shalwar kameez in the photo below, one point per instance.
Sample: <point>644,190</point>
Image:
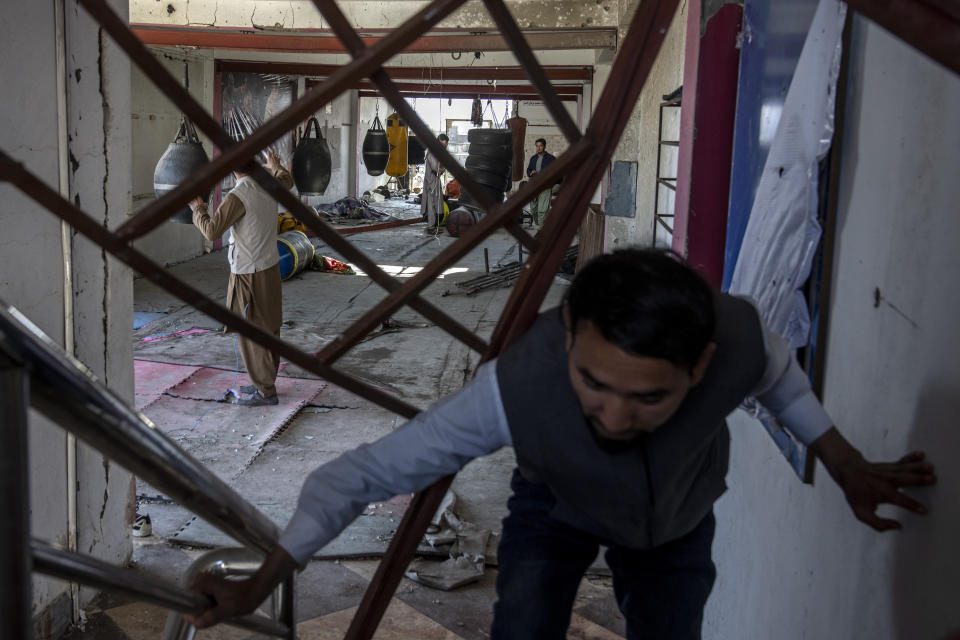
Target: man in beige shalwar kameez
<point>253,290</point>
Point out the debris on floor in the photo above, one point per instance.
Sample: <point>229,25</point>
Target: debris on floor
<point>331,265</point>
<point>467,560</point>
<point>507,275</point>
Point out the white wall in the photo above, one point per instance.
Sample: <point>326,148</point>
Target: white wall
<point>31,260</point>
<point>793,561</point>
<point>639,141</point>
<point>154,124</point>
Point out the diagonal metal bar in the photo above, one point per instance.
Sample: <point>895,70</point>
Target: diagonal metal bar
<point>43,195</point>
<point>932,26</point>
<point>239,155</point>
<point>538,77</point>
<point>353,42</point>
<point>573,158</point>
<point>166,82</point>
<point>629,74</point>
<point>369,266</point>
<point>627,77</point>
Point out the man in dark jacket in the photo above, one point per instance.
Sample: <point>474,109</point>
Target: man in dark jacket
<point>615,405</point>
<point>538,163</point>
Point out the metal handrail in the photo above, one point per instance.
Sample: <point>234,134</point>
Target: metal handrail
<point>96,573</point>
<point>65,391</point>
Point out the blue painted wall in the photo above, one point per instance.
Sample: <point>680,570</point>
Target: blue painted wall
<point>773,36</point>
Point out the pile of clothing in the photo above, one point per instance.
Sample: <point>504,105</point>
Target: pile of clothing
<point>350,208</point>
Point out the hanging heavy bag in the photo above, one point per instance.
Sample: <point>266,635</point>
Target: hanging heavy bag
<point>311,162</point>
<point>376,149</point>
<point>416,152</point>
<point>397,137</point>
<point>518,126</point>
<point>183,156</point>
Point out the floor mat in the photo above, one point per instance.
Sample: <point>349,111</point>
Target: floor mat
<point>151,379</point>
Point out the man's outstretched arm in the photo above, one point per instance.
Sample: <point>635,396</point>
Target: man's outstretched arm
<point>434,444</point>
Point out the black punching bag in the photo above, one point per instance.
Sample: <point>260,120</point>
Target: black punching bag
<point>311,162</point>
<point>376,150</point>
<point>183,156</point>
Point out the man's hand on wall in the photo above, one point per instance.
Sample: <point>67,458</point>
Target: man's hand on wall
<point>867,485</point>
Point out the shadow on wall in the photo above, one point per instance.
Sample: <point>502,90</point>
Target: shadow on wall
<point>926,572</point>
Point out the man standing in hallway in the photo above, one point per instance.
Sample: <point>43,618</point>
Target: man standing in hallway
<point>615,405</point>
<point>538,163</point>
<point>254,289</point>
<point>431,198</point>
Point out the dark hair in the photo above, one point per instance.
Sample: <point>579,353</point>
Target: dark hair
<point>543,140</point>
<point>647,302</point>
<point>443,138</point>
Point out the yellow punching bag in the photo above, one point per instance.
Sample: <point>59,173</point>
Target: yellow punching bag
<point>397,138</point>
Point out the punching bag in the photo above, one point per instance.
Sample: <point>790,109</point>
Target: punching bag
<point>311,162</point>
<point>518,126</point>
<point>183,156</point>
<point>376,149</point>
<point>416,152</point>
<point>397,137</point>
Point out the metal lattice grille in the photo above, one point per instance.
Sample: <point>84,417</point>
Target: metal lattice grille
<point>582,165</point>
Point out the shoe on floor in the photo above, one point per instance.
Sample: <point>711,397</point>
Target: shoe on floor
<point>256,400</point>
<point>142,527</point>
<point>430,231</point>
<point>247,389</point>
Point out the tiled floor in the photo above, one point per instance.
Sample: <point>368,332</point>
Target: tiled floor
<point>328,593</point>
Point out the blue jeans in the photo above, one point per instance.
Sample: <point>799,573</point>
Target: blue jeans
<point>661,591</point>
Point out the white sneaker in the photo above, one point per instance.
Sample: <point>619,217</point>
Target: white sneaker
<point>142,527</point>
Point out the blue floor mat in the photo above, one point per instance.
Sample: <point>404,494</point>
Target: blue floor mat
<point>143,318</point>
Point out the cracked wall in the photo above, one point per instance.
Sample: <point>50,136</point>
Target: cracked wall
<point>369,14</point>
<point>99,130</point>
<point>31,263</point>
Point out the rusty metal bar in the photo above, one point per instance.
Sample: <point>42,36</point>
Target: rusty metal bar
<point>629,74</point>
<point>14,173</point>
<point>554,72</point>
<point>402,546</point>
<point>927,26</point>
<point>166,82</point>
<point>538,77</point>
<point>237,156</point>
<point>353,42</point>
<point>627,78</point>
<point>350,252</point>
<point>242,39</point>
<point>15,563</point>
<point>572,159</point>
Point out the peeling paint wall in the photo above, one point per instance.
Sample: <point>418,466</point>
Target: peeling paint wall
<point>31,262</point>
<point>369,14</point>
<point>639,141</point>
<point>792,560</point>
<point>154,123</point>
<point>99,131</point>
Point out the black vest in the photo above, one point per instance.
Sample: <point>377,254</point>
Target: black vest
<point>657,491</point>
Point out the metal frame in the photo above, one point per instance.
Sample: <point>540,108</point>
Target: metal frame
<point>669,183</point>
<point>109,425</point>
